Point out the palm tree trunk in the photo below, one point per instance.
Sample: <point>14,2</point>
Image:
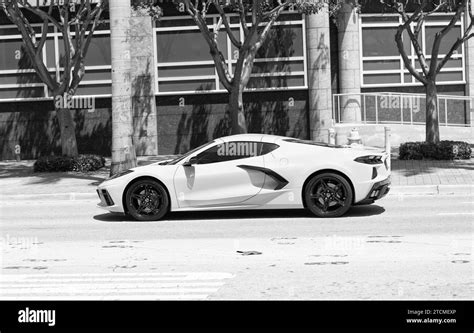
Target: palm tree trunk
<point>123,150</point>
<point>68,133</point>
<point>432,122</point>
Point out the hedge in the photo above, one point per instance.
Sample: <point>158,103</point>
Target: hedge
<point>81,163</point>
<point>444,150</point>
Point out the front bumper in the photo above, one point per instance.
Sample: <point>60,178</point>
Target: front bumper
<point>109,199</point>
<point>105,198</point>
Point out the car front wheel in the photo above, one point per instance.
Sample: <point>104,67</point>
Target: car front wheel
<point>147,200</point>
<point>328,195</point>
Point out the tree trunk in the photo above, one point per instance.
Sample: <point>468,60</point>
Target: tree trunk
<point>432,122</point>
<point>236,108</point>
<point>68,133</point>
<point>123,150</point>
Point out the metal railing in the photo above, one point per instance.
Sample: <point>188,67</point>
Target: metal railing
<point>402,108</point>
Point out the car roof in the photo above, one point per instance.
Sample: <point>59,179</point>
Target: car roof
<point>252,137</point>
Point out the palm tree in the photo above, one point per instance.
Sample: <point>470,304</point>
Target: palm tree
<point>123,150</point>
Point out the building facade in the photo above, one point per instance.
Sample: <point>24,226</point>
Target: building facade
<point>313,71</point>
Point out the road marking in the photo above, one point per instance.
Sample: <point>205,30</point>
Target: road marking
<point>111,286</point>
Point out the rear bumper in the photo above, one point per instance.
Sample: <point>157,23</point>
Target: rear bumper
<point>378,191</point>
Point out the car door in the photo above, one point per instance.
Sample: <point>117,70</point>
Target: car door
<point>222,175</point>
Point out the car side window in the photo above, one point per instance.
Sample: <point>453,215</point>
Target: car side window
<point>208,156</point>
<point>229,151</point>
<point>268,148</point>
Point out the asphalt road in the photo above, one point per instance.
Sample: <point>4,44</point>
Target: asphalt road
<point>403,247</point>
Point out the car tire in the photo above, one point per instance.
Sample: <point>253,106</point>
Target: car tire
<point>147,200</point>
<point>328,195</point>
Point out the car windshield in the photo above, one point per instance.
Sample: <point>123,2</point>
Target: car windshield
<point>182,157</point>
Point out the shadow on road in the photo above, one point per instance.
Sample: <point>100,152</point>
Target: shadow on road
<point>357,211</point>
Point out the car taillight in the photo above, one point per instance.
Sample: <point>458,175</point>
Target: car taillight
<point>370,159</point>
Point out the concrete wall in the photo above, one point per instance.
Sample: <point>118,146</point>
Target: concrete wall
<point>374,135</point>
<point>33,125</point>
<point>185,122</point>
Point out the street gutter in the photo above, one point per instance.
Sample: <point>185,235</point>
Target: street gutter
<point>394,191</point>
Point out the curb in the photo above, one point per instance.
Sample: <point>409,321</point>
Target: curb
<point>50,197</point>
<point>432,190</point>
<point>394,190</point>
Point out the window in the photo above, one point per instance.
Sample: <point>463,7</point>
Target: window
<point>268,148</point>
<point>18,79</point>
<point>235,150</point>
<point>376,42</point>
<point>229,151</point>
<point>383,66</point>
<point>184,63</point>
<point>182,46</point>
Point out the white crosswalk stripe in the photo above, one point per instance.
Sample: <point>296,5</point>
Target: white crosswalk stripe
<point>111,286</point>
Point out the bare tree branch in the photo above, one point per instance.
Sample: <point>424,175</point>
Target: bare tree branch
<point>219,60</point>
<point>439,38</point>
<point>263,36</point>
<point>232,38</point>
<point>402,51</point>
<point>243,17</point>
<point>15,15</point>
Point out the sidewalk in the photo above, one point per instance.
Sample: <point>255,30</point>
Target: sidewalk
<point>432,177</point>
<point>17,179</point>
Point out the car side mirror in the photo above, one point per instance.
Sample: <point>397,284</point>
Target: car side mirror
<point>191,161</point>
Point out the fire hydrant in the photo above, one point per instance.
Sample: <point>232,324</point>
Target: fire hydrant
<point>354,137</point>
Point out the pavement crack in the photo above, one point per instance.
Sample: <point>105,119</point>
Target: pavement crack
<point>383,241</point>
<point>249,253</point>
<point>44,260</point>
<point>39,268</point>
<point>327,263</point>
<point>460,261</point>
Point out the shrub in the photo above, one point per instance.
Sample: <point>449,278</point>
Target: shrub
<point>81,163</point>
<point>85,163</point>
<point>444,150</point>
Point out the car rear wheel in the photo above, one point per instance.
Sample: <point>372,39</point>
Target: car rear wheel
<point>328,195</point>
<point>147,200</point>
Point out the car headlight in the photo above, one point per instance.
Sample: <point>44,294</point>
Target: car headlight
<point>370,159</point>
<point>120,174</point>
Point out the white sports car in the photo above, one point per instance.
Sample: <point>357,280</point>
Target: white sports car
<point>251,171</point>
